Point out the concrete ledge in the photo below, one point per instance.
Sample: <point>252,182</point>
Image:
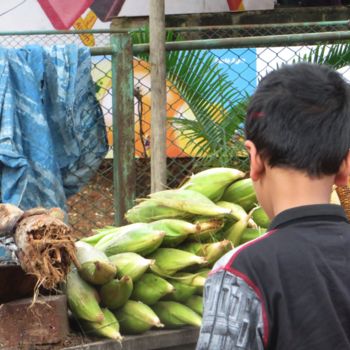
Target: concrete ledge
<point>184,339</point>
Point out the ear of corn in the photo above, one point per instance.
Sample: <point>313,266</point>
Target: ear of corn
<point>170,260</point>
<point>212,182</point>
<point>97,272</point>
<point>108,328</point>
<point>190,279</point>
<point>96,237</point>
<point>94,264</point>
<point>189,201</point>
<point>130,264</point>
<point>176,231</point>
<point>250,234</point>
<point>195,302</point>
<point>234,233</point>
<point>136,317</point>
<point>242,193</point>
<point>82,298</point>
<point>208,228</point>
<point>174,314</point>
<point>210,251</point>
<point>141,240</point>
<point>260,217</point>
<point>237,212</point>
<point>113,234</point>
<point>149,210</point>
<point>116,293</point>
<point>150,288</point>
<point>108,232</point>
<point>182,291</point>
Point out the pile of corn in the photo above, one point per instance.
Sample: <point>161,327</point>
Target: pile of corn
<point>151,272</point>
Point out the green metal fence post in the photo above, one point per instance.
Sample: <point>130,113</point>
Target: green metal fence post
<point>123,125</point>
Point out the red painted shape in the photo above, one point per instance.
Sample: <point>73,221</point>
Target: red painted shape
<point>63,13</point>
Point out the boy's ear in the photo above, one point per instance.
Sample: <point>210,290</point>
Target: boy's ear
<point>342,177</point>
<point>257,166</point>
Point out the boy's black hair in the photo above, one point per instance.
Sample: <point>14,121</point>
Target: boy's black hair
<point>299,117</point>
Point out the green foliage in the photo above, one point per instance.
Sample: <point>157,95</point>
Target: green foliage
<point>218,108</point>
<point>335,55</point>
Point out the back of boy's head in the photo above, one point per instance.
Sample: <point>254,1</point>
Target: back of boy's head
<point>299,117</point>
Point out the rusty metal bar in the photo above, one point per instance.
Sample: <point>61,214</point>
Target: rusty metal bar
<point>254,41</point>
<point>123,126</point>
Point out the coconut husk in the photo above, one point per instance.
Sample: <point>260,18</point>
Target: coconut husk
<point>45,248</point>
<point>9,216</point>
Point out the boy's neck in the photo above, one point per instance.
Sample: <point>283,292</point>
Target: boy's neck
<point>291,188</point>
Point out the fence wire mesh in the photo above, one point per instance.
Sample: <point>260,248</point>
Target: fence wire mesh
<point>207,94</point>
<point>93,205</point>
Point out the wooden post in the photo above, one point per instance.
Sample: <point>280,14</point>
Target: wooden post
<point>123,126</point>
<point>158,88</point>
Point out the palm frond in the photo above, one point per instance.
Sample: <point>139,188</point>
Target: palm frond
<point>218,107</point>
<point>335,55</point>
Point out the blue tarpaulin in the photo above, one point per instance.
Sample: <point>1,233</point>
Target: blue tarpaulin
<point>52,132</point>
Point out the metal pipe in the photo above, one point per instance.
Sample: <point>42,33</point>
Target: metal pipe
<point>123,126</point>
<point>254,41</point>
<point>260,26</point>
<point>158,88</point>
<point>65,32</point>
<point>102,51</point>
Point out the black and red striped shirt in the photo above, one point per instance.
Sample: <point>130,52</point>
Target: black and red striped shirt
<point>287,290</point>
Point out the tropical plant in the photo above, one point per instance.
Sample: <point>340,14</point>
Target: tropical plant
<point>218,108</point>
<point>335,55</point>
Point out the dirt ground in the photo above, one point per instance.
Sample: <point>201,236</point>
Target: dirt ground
<point>93,206</point>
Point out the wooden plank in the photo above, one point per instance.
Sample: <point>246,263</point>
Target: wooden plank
<point>123,126</point>
<point>184,339</point>
<point>23,325</point>
<point>158,88</point>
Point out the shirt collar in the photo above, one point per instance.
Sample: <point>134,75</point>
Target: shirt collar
<point>306,211</point>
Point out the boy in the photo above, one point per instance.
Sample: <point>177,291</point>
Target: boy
<point>290,288</point>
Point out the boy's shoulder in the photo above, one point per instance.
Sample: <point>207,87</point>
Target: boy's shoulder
<point>248,252</point>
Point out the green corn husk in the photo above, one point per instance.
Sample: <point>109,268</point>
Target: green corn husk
<point>130,264</point>
<point>109,232</point>
<point>169,260</point>
<point>195,302</point>
<point>95,267</point>
<point>149,210</point>
<point>208,229</point>
<point>108,328</point>
<point>176,231</point>
<point>260,217</point>
<point>189,201</point>
<point>242,193</point>
<point>204,272</point>
<point>186,284</point>
<point>82,299</point>
<point>150,288</point>
<point>116,293</point>
<point>237,212</point>
<point>182,291</point>
<point>233,231</point>
<point>141,240</point>
<point>210,251</point>
<point>212,182</point>
<point>174,314</point>
<point>136,318</point>
<point>251,233</point>
<point>112,235</point>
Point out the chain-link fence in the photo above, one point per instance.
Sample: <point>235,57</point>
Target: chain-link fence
<point>93,205</point>
<point>208,90</point>
<point>207,94</point>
